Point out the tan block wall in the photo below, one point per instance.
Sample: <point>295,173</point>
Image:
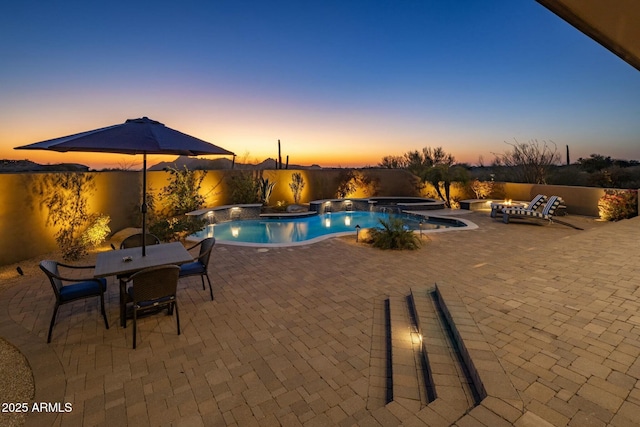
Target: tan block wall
<point>24,233</point>
<point>578,200</point>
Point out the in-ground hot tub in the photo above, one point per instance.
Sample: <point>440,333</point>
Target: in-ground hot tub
<point>397,204</point>
<point>407,203</point>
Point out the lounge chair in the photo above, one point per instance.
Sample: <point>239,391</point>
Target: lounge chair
<point>200,265</point>
<point>547,212</point>
<point>533,205</point>
<point>82,288</point>
<point>153,288</point>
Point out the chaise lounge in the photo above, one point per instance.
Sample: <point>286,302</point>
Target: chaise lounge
<point>547,212</point>
<point>533,205</point>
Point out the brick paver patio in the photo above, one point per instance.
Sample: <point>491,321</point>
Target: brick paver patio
<point>288,339</point>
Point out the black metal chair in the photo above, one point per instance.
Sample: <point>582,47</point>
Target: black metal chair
<point>153,288</point>
<point>200,265</point>
<point>135,240</point>
<point>80,289</point>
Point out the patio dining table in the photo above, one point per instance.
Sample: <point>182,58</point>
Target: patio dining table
<point>130,260</point>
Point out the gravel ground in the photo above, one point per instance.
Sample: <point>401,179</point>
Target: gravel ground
<point>16,384</point>
<point>16,378</point>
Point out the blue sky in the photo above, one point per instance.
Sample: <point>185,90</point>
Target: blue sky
<point>340,83</point>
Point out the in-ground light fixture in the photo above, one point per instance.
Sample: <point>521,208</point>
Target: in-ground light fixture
<point>357,232</point>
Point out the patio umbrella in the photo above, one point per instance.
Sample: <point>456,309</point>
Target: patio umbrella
<point>135,136</point>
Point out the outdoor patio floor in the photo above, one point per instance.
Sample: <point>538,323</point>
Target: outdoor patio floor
<point>287,340</point>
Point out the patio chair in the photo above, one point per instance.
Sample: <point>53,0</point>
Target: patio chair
<point>547,212</point>
<point>80,289</point>
<point>533,205</point>
<point>153,288</point>
<point>135,241</point>
<point>199,266</point>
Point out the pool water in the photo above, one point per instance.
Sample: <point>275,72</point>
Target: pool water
<point>292,231</point>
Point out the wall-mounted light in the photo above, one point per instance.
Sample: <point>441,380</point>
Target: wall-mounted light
<point>327,222</point>
<point>235,231</point>
<point>347,220</point>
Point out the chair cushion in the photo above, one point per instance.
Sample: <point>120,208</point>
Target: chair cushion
<point>82,290</point>
<point>192,268</point>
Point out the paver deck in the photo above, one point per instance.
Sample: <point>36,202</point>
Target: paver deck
<point>288,339</point>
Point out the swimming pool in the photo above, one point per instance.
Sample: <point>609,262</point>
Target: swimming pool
<point>297,231</point>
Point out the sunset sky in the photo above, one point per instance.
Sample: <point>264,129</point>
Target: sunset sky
<point>340,83</point>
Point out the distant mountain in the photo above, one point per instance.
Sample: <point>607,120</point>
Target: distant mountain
<point>194,163</point>
<point>12,166</point>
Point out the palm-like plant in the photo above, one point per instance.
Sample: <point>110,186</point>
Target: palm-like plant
<point>393,235</point>
<point>265,188</point>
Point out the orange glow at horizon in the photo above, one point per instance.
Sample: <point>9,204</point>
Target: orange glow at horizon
<point>305,142</point>
<point>98,161</point>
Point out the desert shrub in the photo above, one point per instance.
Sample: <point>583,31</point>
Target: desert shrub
<point>281,206</point>
<point>393,235</point>
<point>182,194</point>
<point>615,177</point>
<point>179,196</point>
<point>618,204</point>
<point>528,162</point>
<point>66,196</point>
<point>482,189</point>
<point>568,175</point>
<point>96,232</point>
<point>296,185</point>
<point>92,236</point>
<point>176,228</point>
<point>265,188</point>
<point>243,187</point>
<point>350,182</point>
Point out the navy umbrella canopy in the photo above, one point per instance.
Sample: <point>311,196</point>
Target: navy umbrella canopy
<point>135,136</point>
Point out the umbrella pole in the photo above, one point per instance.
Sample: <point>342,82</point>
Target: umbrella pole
<point>143,208</point>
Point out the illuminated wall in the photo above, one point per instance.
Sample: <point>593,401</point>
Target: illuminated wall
<point>24,234</point>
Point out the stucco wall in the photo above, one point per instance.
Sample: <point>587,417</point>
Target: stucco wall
<point>24,233</point>
<point>578,200</point>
